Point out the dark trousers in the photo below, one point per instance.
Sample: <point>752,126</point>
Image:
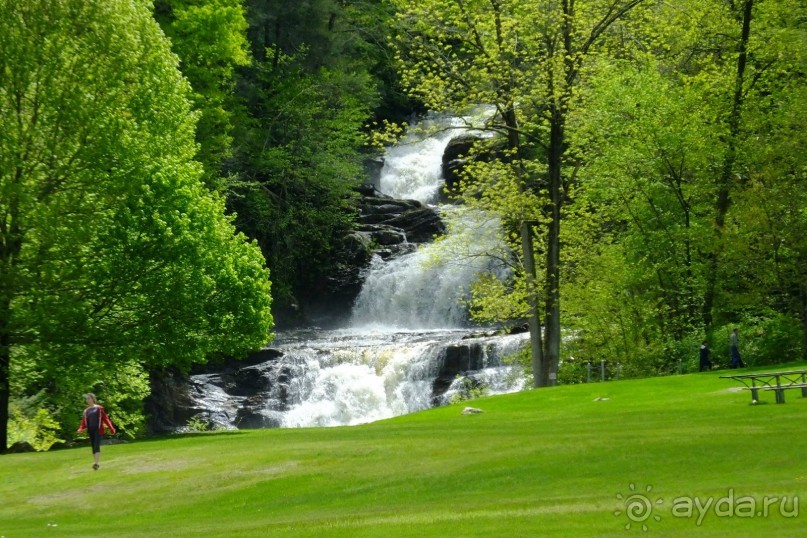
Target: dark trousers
<point>736,361</point>
<point>95,440</point>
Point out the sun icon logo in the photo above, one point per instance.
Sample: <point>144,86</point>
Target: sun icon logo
<point>638,507</point>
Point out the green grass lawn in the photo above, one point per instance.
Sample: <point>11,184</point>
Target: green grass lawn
<point>561,461</point>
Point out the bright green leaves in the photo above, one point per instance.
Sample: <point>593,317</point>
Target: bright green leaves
<point>117,254</point>
<point>210,39</point>
<point>675,140</point>
<point>665,137</point>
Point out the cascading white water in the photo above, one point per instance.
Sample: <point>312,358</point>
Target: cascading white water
<point>351,385</point>
<point>408,318</point>
<point>413,168</point>
<point>426,289</point>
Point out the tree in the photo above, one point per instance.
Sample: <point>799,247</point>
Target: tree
<point>525,59</point>
<point>764,233</point>
<point>693,170</point>
<point>112,252</point>
<point>642,226</point>
<point>209,36</point>
<point>298,151</point>
<point>725,180</point>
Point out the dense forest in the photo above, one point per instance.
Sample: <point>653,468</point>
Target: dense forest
<point>160,160</point>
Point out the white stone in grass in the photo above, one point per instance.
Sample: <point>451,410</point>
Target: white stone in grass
<point>471,411</point>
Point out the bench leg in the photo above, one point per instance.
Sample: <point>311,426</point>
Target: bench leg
<point>754,394</point>
<point>804,392</point>
<point>780,395</point>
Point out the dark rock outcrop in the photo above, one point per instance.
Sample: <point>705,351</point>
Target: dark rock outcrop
<point>386,227</point>
<point>457,155</point>
<point>457,359</point>
<point>169,405</point>
<point>454,157</point>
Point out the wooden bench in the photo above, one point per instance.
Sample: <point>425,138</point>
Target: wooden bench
<point>778,382</point>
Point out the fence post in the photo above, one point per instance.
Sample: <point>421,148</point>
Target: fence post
<point>588,372</point>
<point>602,368</point>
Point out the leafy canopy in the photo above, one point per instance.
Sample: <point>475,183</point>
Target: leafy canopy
<point>113,254</point>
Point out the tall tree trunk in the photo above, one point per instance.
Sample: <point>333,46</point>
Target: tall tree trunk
<point>534,319</point>
<point>528,253</point>
<point>724,181</point>
<point>556,149</point>
<point>557,120</point>
<point>10,242</point>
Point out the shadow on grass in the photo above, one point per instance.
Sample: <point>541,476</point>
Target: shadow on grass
<point>185,435</point>
<point>84,443</point>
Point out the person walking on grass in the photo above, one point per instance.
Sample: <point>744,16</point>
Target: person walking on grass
<point>734,349</point>
<point>705,363</point>
<point>95,421</point>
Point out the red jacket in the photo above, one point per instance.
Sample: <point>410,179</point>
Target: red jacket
<point>103,422</point>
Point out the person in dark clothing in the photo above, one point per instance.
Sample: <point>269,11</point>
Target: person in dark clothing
<point>734,349</point>
<point>96,422</point>
<point>706,364</point>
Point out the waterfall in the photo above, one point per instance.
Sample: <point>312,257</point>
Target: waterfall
<point>409,345</point>
<point>413,167</point>
<point>340,378</point>
<point>427,289</point>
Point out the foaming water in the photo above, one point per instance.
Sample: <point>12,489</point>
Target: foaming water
<point>413,168</point>
<point>409,344</point>
<point>429,288</point>
<point>343,378</point>
<point>361,384</point>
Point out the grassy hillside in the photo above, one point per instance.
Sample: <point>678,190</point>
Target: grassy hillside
<point>554,462</point>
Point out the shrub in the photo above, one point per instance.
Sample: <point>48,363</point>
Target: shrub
<point>771,338</point>
<point>32,424</point>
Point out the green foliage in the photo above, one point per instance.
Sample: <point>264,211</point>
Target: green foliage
<point>120,384</point>
<point>283,89</point>
<point>307,96</point>
<point>642,175</point>
<point>655,133</point>
<point>32,423</point>
<point>774,339</point>
<point>765,338</point>
<point>611,320</point>
<point>523,360</point>
<point>682,355</point>
<point>199,424</point>
<point>572,372</point>
<point>115,255</point>
<point>210,39</point>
